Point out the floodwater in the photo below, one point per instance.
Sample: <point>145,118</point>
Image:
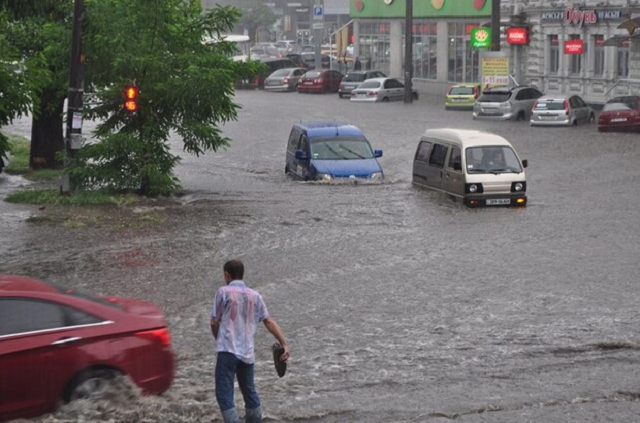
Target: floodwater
<point>399,304</point>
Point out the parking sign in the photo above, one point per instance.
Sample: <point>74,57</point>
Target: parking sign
<point>318,11</point>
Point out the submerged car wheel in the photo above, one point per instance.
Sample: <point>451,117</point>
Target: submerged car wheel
<point>415,96</point>
<point>385,99</point>
<point>92,383</point>
<point>592,118</point>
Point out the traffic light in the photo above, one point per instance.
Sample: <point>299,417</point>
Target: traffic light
<point>131,98</point>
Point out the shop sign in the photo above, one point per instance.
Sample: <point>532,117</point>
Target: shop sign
<point>517,36</point>
<point>494,68</point>
<point>574,16</point>
<point>385,9</point>
<point>480,37</point>
<point>573,47</point>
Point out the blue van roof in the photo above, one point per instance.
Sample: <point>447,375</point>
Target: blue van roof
<point>327,129</point>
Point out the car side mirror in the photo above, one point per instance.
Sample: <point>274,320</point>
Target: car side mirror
<point>377,153</point>
<point>457,166</point>
<point>300,155</point>
<point>525,163</point>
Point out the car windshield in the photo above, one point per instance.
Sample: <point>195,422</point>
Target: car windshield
<point>281,72</point>
<point>461,91</point>
<point>492,159</point>
<point>370,84</point>
<point>495,97</point>
<point>354,77</point>
<point>615,107</point>
<point>550,104</point>
<point>341,149</point>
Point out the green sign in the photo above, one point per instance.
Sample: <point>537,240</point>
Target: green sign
<point>421,8</point>
<point>481,37</point>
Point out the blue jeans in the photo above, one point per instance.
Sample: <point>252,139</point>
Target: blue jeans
<point>227,367</point>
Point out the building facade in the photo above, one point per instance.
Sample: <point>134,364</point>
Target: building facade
<point>590,48</point>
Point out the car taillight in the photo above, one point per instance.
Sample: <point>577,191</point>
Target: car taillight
<point>372,93</point>
<point>286,80</point>
<point>475,92</point>
<point>566,107</point>
<point>161,336</point>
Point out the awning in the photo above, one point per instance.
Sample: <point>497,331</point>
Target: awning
<point>342,38</point>
<point>616,40</point>
<point>631,25</point>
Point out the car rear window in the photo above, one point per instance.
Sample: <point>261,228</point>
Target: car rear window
<point>495,97</point>
<point>461,91</point>
<point>370,84</point>
<point>354,77</point>
<point>281,72</point>
<point>615,106</point>
<point>312,74</point>
<point>550,105</point>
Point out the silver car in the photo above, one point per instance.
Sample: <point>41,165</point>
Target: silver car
<point>561,110</point>
<point>283,79</point>
<point>506,103</point>
<point>380,89</point>
<point>354,78</point>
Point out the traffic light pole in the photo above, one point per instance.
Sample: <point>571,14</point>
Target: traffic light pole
<point>74,97</point>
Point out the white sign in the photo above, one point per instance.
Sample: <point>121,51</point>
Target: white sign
<point>318,25</point>
<point>76,121</point>
<point>495,80</point>
<point>318,11</point>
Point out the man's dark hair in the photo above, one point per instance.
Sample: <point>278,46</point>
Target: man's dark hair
<point>234,268</point>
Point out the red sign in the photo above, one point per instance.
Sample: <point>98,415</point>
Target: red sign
<point>573,47</point>
<point>517,36</point>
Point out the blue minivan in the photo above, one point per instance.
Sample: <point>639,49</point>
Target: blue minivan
<point>328,151</point>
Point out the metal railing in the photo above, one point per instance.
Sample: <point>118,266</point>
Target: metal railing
<point>630,83</point>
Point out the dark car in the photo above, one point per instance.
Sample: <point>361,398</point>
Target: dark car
<point>506,103</point>
<point>59,345</point>
<point>354,78</point>
<point>320,81</point>
<point>309,59</point>
<point>620,114</point>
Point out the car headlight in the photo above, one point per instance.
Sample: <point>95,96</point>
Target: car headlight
<point>376,176</point>
<point>325,177</point>
<point>518,186</point>
<point>473,188</point>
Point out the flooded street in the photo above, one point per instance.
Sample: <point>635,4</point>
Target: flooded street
<point>399,303</point>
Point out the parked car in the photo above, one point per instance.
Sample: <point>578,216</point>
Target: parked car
<point>354,78</point>
<point>297,59</point>
<point>328,151</point>
<point>561,110</point>
<point>462,96</point>
<point>478,168</point>
<point>57,344</point>
<point>620,114</point>
<point>283,79</point>
<point>380,89</point>
<point>319,81</point>
<point>506,103</point>
<point>309,59</point>
<point>272,66</point>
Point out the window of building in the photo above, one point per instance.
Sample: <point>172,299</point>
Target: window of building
<point>575,60</point>
<point>375,45</point>
<point>623,59</point>
<point>463,61</point>
<point>425,36</point>
<point>598,57</point>
<point>554,54</point>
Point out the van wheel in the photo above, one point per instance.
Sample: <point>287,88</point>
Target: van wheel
<point>592,118</point>
<point>286,170</point>
<point>575,122</point>
<point>385,99</point>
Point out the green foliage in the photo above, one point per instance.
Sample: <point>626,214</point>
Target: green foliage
<point>186,87</point>
<point>257,16</point>
<point>40,197</point>
<point>19,164</point>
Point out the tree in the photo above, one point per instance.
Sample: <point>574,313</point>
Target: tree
<point>185,86</point>
<point>257,16</point>
<point>40,30</point>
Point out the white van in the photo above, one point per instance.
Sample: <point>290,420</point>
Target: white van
<point>480,168</point>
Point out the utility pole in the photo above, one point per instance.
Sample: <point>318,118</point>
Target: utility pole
<point>318,30</point>
<point>74,97</point>
<point>408,53</point>
<point>495,25</point>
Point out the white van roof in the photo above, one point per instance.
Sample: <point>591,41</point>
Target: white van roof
<point>466,137</point>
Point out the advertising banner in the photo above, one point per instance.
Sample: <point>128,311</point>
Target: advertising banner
<point>480,38</point>
<point>421,9</point>
<point>517,35</point>
<point>573,47</point>
<point>494,68</point>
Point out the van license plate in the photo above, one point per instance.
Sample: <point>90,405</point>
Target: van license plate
<point>498,201</point>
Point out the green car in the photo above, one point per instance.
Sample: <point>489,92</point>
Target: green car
<point>462,96</point>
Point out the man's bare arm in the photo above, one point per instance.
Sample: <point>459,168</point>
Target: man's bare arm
<point>214,328</point>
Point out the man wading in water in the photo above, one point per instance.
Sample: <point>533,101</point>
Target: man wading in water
<point>234,319</point>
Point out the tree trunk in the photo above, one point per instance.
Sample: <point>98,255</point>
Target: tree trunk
<point>47,134</point>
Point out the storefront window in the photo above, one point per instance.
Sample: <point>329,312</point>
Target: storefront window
<point>425,50</point>
<point>375,46</point>
<point>554,54</point>
<point>575,60</point>
<point>598,64</point>
<point>623,59</point>
<point>463,61</point>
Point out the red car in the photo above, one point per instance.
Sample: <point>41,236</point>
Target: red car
<point>59,345</point>
<point>620,114</point>
<point>320,81</point>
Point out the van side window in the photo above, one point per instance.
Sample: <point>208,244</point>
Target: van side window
<point>304,143</point>
<point>293,139</point>
<point>438,154</point>
<point>455,157</point>
<point>422,155</point>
